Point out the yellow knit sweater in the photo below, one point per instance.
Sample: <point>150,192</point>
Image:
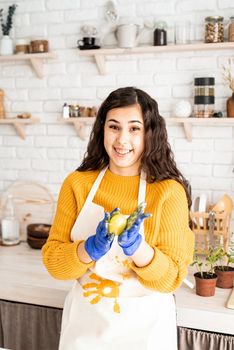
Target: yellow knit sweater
<point>167,231</point>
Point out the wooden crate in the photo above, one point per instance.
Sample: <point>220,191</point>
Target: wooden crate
<point>211,229</point>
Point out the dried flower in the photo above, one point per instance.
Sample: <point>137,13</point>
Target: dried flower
<point>228,74</point>
<point>6,27</point>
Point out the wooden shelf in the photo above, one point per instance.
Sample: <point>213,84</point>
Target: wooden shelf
<point>99,54</point>
<point>19,124</point>
<point>188,122</point>
<point>36,60</point>
<point>79,124</point>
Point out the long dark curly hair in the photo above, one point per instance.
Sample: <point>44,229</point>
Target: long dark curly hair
<point>157,159</point>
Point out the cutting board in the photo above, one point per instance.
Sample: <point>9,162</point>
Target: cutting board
<point>230,302</point>
<point>33,203</point>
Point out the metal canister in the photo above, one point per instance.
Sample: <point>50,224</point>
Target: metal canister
<point>204,97</point>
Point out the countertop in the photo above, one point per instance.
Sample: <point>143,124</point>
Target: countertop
<point>24,279</point>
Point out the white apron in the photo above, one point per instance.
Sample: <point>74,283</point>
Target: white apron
<point>107,308</point>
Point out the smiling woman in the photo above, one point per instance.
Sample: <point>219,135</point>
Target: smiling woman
<point>124,139</point>
<point>121,276</point>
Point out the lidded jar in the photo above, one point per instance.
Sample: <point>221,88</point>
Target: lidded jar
<point>214,29</point>
<point>231,29</point>
<point>160,34</point>
<point>204,97</point>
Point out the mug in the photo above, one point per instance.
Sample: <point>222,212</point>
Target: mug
<point>86,41</point>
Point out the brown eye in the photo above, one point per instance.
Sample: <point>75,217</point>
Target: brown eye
<point>135,128</point>
<point>115,127</point>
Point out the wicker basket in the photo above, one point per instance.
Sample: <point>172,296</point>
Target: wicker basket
<point>211,229</point>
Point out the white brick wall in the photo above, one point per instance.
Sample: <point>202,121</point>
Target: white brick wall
<point>51,150</point>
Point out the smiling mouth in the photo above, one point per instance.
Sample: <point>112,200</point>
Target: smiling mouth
<point>122,152</point>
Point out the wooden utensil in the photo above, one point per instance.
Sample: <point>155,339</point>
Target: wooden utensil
<point>230,302</point>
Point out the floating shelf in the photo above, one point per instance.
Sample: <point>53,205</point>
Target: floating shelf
<point>36,60</point>
<point>79,124</point>
<point>99,54</point>
<point>19,124</point>
<point>188,122</point>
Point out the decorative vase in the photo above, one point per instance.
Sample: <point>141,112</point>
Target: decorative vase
<point>225,276</point>
<point>205,287</point>
<point>6,46</point>
<point>230,106</point>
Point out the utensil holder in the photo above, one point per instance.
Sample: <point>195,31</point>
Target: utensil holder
<point>204,226</point>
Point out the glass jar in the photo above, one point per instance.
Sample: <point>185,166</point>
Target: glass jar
<point>204,97</point>
<point>74,111</point>
<point>182,32</point>
<point>231,29</point>
<point>214,29</point>
<point>160,34</point>
<point>10,224</point>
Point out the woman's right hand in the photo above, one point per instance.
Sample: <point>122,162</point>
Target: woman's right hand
<point>99,244</point>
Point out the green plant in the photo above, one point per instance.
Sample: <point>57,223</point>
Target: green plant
<point>6,27</point>
<point>225,258</point>
<point>206,266</point>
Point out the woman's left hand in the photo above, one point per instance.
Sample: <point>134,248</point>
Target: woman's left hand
<point>131,239</point>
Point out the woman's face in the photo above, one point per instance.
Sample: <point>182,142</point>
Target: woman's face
<point>124,139</point>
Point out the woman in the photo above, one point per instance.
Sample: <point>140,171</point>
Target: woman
<point>122,296</point>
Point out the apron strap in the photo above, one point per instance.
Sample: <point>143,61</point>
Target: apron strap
<point>94,189</point>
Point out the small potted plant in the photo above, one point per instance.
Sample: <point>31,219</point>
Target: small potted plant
<point>205,277</point>
<point>6,45</point>
<point>224,271</point>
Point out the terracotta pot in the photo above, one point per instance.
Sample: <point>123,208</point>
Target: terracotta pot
<point>205,286</point>
<point>230,106</point>
<point>225,277</point>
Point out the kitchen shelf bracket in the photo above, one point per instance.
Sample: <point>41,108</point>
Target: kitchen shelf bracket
<point>189,122</point>
<point>37,65</point>
<point>188,131</point>
<point>101,64</point>
<point>79,124</point>
<point>19,124</point>
<point>36,60</point>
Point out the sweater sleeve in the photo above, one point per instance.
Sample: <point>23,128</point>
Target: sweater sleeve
<point>173,250</point>
<point>60,253</point>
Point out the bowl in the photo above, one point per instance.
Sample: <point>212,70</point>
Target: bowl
<point>36,243</point>
<point>38,230</point>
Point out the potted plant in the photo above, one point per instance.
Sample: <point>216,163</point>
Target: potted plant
<point>6,46</point>
<point>205,277</point>
<point>224,271</point>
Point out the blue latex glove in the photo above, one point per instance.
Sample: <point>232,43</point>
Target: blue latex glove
<point>130,239</point>
<point>100,243</point>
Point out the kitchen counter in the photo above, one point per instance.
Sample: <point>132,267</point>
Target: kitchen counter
<point>24,279</point>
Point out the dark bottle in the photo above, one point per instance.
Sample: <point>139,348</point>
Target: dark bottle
<point>160,37</point>
<point>160,34</point>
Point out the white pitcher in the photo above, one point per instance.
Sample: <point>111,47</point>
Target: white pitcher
<point>128,33</point>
